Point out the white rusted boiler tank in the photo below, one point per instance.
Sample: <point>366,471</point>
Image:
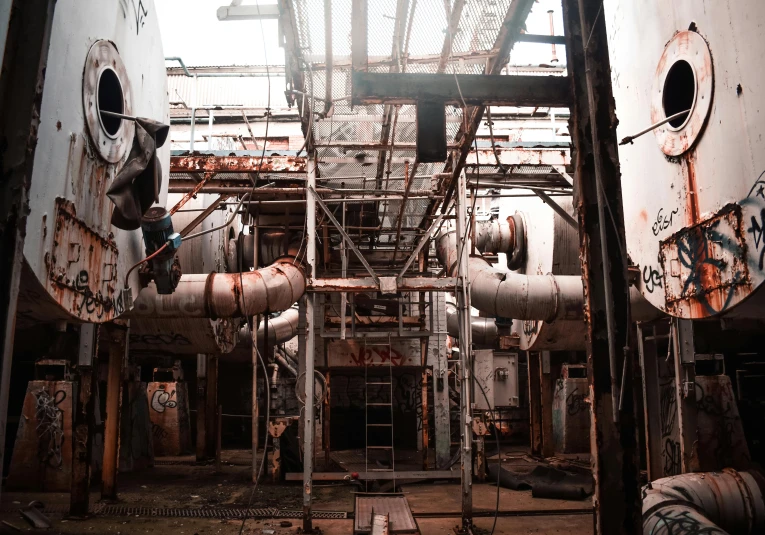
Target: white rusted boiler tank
<point>104,55</point>
<point>694,188</point>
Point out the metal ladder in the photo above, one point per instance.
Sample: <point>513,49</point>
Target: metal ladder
<point>375,382</point>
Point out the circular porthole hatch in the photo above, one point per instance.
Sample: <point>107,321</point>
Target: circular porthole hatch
<point>679,93</point>
<point>110,98</point>
<point>684,80</point>
<point>106,87</point>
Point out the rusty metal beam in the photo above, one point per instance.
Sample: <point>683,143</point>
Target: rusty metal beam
<point>22,81</point>
<point>475,89</point>
<point>205,213</point>
<point>371,145</point>
<point>368,284</point>
<point>192,192</point>
<point>200,163</point>
<point>615,459</point>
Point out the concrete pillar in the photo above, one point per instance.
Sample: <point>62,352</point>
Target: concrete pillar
<point>116,336</point>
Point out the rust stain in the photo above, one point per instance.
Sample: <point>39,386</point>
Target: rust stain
<point>691,189</point>
<point>643,215</point>
<point>195,163</point>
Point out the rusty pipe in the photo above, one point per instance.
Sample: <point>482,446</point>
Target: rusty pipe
<point>484,330</point>
<point>280,329</point>
<point>711,502</point>
<point>284,362</point>
<point>227,295</point>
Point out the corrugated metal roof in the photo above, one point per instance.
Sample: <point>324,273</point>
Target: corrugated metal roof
<point>249,92</point>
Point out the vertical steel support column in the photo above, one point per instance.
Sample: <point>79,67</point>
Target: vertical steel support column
<point>438,358</point>
<point>254,350</point>
<point>534,367</point>
<point>310,350</point>
<point>685,392</point>
<point>211,420</point>
<point>201,406</point>
<point>466,352</point>
<point>548,374</point>
<point>117,338</point>
<point>255,411</point>
<point>24,58</point>
<point>613,431</point>
<point>84,422</point>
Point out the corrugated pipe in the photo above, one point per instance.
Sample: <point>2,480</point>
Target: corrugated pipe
<point>511,295</point>
<point>712,502</point>
<point>280,329</point>
<point>227,295</point>
<point>484,330</point>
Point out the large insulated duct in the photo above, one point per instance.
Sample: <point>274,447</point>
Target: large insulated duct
<point>512,295</point>
<point>711,502</point>
<point>280,329</point>
<point>226,295</point>
<point>484,330</point>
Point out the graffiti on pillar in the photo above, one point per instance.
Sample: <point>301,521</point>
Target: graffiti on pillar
<point>670,452</point>
<point>162,399</point>
<point>158,432</point>
<point>377,357</point>
<point>50,426</point>
<point>576,402</point>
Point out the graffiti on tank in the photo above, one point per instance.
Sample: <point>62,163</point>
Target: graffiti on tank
<point>663,221</point>
<point>756,230</point>
<point>377,357</point>
<point>680,522</point>
<point>652,278</point>
<point>96,303</point>
<point>693,249</point>
<point>139,12</point>
<point>162,399</point>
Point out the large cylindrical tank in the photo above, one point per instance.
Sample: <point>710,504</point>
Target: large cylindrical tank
<point>693,189</point>
<point>202,255</point>
<point>104,55</point>
<point>551,247</point>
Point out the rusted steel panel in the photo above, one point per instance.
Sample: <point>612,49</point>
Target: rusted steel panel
<point>520,156</point>
<point>82,268</point>
<point>198,163</point>
<point>705,266</point>
<point>354,353</point>
<point>169,412</point>
<point>367,284</point>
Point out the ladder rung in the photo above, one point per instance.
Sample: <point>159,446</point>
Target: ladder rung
<point>379,404</point>
<point>376,383</point>
<point>379,447</point>
<point>379,425</point>
<point>380,470</point>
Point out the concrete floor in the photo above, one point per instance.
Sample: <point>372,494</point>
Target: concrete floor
<point>182,486</point>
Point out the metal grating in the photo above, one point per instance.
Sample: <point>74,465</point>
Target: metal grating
<point>187,512</point>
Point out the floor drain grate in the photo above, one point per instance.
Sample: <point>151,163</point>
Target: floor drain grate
<point>222,513</point>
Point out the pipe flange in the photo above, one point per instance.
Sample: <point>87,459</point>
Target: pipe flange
<point>555,298</point>
<point>106,86</point>
<point>516,258</point>
<point>683,80</point>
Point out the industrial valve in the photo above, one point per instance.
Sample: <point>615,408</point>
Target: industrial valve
<point>164,268</point>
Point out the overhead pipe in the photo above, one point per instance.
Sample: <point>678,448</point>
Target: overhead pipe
<point>512,295</point>
<point>508,237</point>
<point>484,330</point>
<point>711,502</point>
<point>227,295</point>
<point>281,329</point>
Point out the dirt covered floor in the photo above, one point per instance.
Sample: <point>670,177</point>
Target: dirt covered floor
<point>179,484</point>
